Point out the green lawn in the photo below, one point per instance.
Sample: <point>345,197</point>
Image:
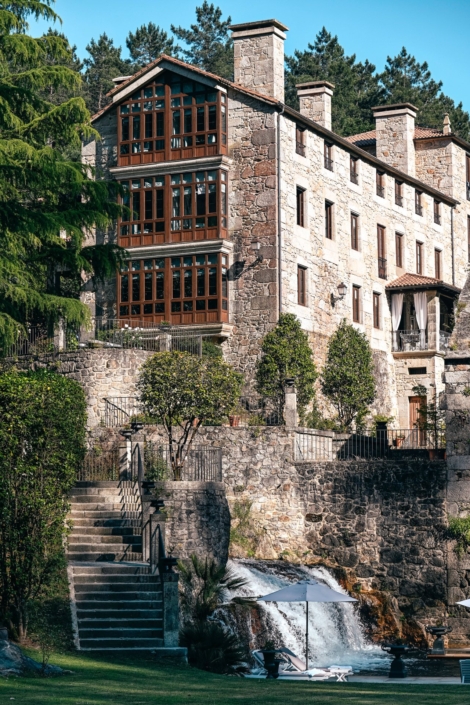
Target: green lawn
<point>138,681</point>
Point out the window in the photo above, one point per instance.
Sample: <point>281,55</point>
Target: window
<point>354,231</point>
<point>467,168</point>
<point>417,370</point>
<point>353,170</point>
<point>300,206</point>
<point>376,309</point>
<point>438,264</point>
<point>328,220</point>
<point>381,260</point>
<point>399,193</point>
<point>301,286</point>
<point>328,149</point>
<point>190,289</point>
<point>171,118</point>
<point>380,183</point>
<point>174,208</point>
<point>419,257</point>
<point>356,304</point>
<point>300,140</point>
<point>437,212</point>
<point>468,238</point>
<point>418,203</point>
<point>399,249</point>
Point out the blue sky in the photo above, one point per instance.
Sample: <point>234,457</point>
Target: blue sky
<point>435,31</point>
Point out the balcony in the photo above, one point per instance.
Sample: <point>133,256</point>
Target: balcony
<point>381,191</point>
<point>382,266</point>
<point>300,149</point>
<point>328,164</point>
<point>437,218</point>
<point>354,176</point>
<point>398,200</point>
<point>418,209</point>
<point>409,340</point>
<point>468,190</point>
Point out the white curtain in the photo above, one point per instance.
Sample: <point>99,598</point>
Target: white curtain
<point>397,308</point>
<point>421,308</point>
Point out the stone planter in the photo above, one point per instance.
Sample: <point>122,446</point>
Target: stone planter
<point>271,663</point>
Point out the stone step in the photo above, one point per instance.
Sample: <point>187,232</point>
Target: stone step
<point>93,539</point>
<point>100,622</point>
<point>127,614</point>
<point>97,547</point>
<point>82,588</point>
<point>104,514</point>
<point>111,568</point>
<point>126,579</point>
<point>107,491</point>
<point>91,523</point>
<point>100,507</point>
<point>103,499</point>
<point>104,483</point>
<point>123,596</point>
<point>119,633</point>
<point>120,644</point>
<point>105,607</point>
<point>104,531</point>
<point>77,556</point>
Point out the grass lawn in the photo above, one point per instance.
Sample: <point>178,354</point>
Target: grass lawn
<point>136,680</point>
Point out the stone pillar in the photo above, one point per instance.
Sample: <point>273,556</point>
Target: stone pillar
<point>171,610</point>
<point>290,407</point>
<point>315,101</point>
<point>259,56</point>
<point>433,320</point>
<point>395,129</point>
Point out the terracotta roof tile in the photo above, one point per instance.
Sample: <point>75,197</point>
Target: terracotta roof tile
<point>419,281</point>
<point>369,138</point>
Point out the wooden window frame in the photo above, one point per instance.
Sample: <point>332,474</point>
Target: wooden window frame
<point>329,220</point>
<point>184,144</point>
<point>418,202</point>
<point>399,193</point>
<point>437,263</point>
<point>159,228</point>
<point>380,183</point>
<point>354,231</point>
<point>328,156</point>
<point>467,172</point>
<point>356,304</point>
<point>468,238</point>
<point>301,285</point>
<point>419,257</point>
<point>382,251</point>
<point>156,303</point>
<point>353,170</point>
<point>300,205</point>
<point>300,135</point>
<point>437,211</point>
<point>376,310</point>
<point>399,249</point>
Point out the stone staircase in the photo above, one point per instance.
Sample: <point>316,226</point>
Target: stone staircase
<point>117,603</point>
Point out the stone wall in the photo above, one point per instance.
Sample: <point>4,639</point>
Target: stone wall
<point>102,372</point>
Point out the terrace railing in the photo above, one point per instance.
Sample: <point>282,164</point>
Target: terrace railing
<point>199,464</point>
<point>119,410</point>
<point>101,465</point>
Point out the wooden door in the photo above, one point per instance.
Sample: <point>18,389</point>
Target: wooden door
<point>415,404</point>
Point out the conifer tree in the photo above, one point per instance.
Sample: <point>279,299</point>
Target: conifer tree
<point>59,95</point>
<point>47,202</point>
<point>148,42</point>
<point>209,44</point>
<point>103,64</point>
<point>356,86</point>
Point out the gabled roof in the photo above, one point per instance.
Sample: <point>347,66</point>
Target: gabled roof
<point>418,281</point>
<point>369,138</point>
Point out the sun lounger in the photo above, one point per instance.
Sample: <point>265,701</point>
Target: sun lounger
<point>465,671</point>
<point>292,667</point>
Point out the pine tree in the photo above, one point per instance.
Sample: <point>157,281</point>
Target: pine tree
<point>356,86</point>
<point>148,42</point>
<point>47,202</point>
<point>60,94</point>
<point>104,64</point>
<point>210,47</point>
<point>405,80</point>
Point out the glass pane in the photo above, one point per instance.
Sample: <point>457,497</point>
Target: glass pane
<point>212,117</point>
<point>136,127</point>
<point>211,176</point>
<point>188,200</point>
<point>160,124</point>
<point>136,229</point>
<point>187,100</point>
<point>212,304</point>
<point>135,287</point>
<point>148,126</point>
<point>200,222</point>
<point>176,122</point>
<point>224,282</point>
<point>176,306</point>
<point>123,310</point>
<point>148,227</point>
<point>187,305</point>
<point>200,98</point>
<point>176,284</point>
<point>136,107</point>
<point>136,206</point>
<point>148,182</point>
<point>135,265</point>
<point>125,229</point>
<point>159,308</point>
<point>136,183</point>
<point>187,141</point>
<point>188,283</point>
<point>175,202</point>
<point>200,176</point>
<point>124,149</point>
<point>176,261</point>
<point>160,280</point>
<point>159,145</point>
<point>176,224</point>
<point>200,305</point>
<point>175,102</point>
<point>148,294</point>
<point>201,199</point>
<point>212,259</point>
<point>188,87</point>
<point>160,227</point>
<point>200,259</point>
<point>125,287</point>
<point>176,179</point>
<point>224,119</point>
<point>187,178</point>
<point>159,105</point>
<point>175,88</point>
<point>188,120</point>
<point>125,129</point>
<point>136,95</point>
<point>212,221</point>
<point>212,139</point>
<point>136,148</point>
<point>148,92</point>
<point>200,139</point>
<point>200,126</point>
<point>188,261</point>
<point>148,205</point>
<point>148,105</point>
<point>160,263</point>
<point>201,282</point>
<point>159,90</point>
<point>212,198</point>
<point>148,308</point>
<point>124,109</point>
<point>159,181</point>
<point>159,204</point>
<point>135,310</point>
<point>211,97</point>
<point>148,264</point>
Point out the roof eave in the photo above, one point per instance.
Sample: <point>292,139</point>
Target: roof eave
<point>439,286</point>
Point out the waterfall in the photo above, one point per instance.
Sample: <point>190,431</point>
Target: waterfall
<point>336,635</point>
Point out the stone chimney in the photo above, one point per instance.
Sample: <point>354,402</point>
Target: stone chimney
<point>447,127</point>
<point>259,56</point>
<point>395,131</point>
<point>315,101</point>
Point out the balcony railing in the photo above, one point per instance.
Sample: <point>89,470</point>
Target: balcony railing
<point>382,263</point>
<point>437,218</point>
<point>409,340</point>
<point>399,200</point>
<point>300,149</point>
<point>354,176</point>
<point>328,164</point>
<point>381,191</point>
<point>418,209</point>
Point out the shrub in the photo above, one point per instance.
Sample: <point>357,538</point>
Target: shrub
<point>459,530</point>
<point>212,647</point>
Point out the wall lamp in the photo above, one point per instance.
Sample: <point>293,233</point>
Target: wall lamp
<point>255,247</point>
<point>342,289</point>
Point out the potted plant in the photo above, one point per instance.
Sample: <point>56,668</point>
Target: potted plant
<point>271,663</point>
<point>235,417</point>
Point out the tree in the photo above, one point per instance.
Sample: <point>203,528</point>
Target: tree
<point>347,379</point>
<point>103,64</point>
<point>285,353</point>
<point>48,201</point>
<point>42,439</point>
<point>182,392</point>
<point>148,42</point>
<point>405,80</point>
<point>210,47</point>
<point>356,86</point>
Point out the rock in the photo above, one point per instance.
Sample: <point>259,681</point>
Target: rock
<point>14,663</point>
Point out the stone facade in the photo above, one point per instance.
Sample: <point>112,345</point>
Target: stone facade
<point>395,129</point>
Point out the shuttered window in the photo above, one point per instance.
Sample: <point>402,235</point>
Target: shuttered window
<point>301,286</point>
<point>356,304</point>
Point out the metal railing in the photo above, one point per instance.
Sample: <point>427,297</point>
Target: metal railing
<point>317,446</point>
<point>119,410</point>
<point>382,267</point>
<point>328,164</point>
<point>101,465</point>
<point>300,149</point>
<point>409,340</point>
<point>199,464</point>
<point>444,339</point>
<point>105,333</point>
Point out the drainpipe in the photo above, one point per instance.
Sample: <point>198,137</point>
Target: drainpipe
<point>280,109</point>
<point>452,242</point>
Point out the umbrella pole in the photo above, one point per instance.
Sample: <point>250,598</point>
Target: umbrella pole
<point>306,638</point>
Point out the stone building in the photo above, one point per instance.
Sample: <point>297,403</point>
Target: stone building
<point>241,208</point>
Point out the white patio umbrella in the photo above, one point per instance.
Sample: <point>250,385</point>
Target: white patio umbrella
<point>306,591</point>
<point>465,603</point>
